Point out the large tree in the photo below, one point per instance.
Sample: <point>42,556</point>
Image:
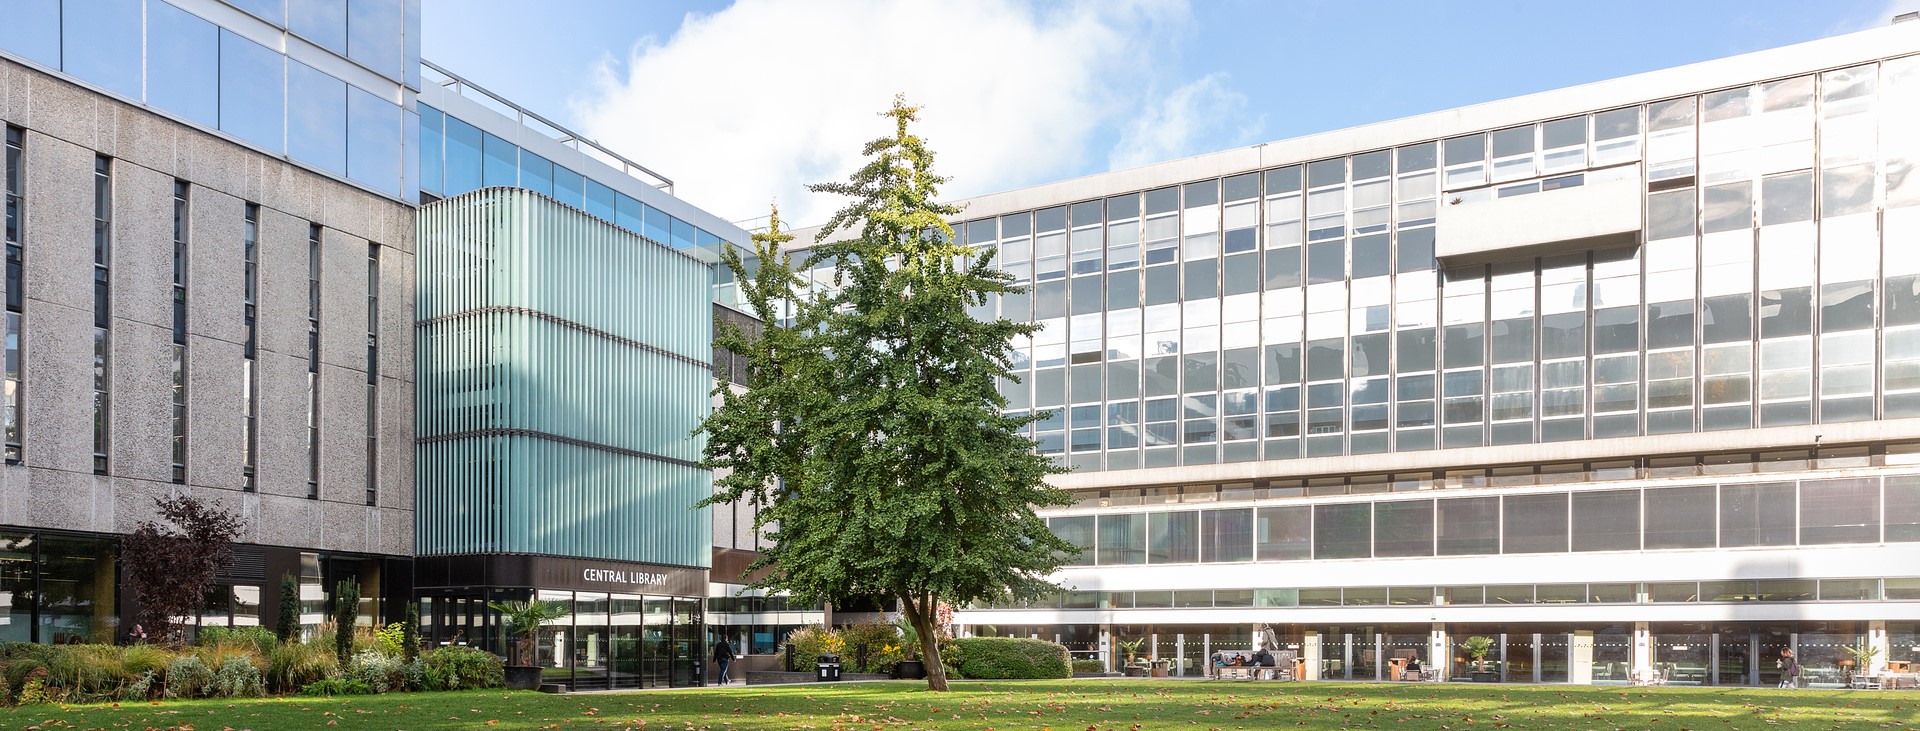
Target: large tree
<point>871,434</point>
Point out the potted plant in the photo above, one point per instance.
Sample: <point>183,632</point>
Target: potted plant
<point>1863,655</point>
<point>910,668</point>
<point>1477,648</point>
<point>1134,668</point>
<point>524,620</point>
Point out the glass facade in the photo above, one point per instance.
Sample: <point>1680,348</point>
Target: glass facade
<point>234,80</point>
<point>549,381</point>
<point>1300,311</point>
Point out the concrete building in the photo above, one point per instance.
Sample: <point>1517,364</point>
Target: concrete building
<point>1618,376</point>
<point>195,305</point>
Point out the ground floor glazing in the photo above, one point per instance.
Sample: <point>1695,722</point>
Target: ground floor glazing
<point>605,641</point>
<point>1678,653</point>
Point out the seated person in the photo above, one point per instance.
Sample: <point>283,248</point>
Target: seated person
<point>1262,658</point>
<point>1238,661</point>
<point>1413,665</point>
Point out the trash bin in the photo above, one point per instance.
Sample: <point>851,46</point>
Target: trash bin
<point>826,669</point>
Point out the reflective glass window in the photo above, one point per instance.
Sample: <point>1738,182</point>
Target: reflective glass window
<point>1607,520</point>
<point>373,141</point>
<point>1903,509</point>
<point>502,164</point>
<point>536,173</point>
<point>1680,517</point>
<point>1757,515</point>
<point>1077,530</point>
<point>1173,537</point>
<point>569,187</point>
<point>1283,534</point>
<point>1535,523</point>
<point>1227,535</point>
<point>272,11</point>
<point>1342,531</point>
<point>433,164</point>
<point>1123,539</point>
<point>600,200</point>
<point>375,35</point>
<point>463,161</point>
<point>318,125</point>
<point>1403,528</point>
<point>252,91</point>
<point>100,43</point>
<point>32,31</point>
<point>183,63</point>
<point>322,21</point>
<point>1840,511</point>
<point>1468,526</point>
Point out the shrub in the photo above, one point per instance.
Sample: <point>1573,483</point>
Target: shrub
<point>144,659</point>
<point>380,672</point>
<point>142,689</point>
<point>188,677</point>
<point>258,639</point>
<point>336,686</point>
<point>1089,666</point>
<point>88,672</point>
<point>391,640</point>
<point>237,678</point>
<point>35,691</point>
<point>1006,658</point>
<point>864,645</point>
<point>460,668</point>
<point>294,665</point>
<point>808,643</point>
<point>6,690</point>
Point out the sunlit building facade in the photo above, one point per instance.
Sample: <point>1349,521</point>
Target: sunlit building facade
<point>1621,376</point>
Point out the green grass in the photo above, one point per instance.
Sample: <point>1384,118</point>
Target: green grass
<point>1101,705</point>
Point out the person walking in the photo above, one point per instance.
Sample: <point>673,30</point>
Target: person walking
<point>722,657</point>
<point>1790,667</point>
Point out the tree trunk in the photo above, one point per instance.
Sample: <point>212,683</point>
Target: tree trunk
<point>922,618</point>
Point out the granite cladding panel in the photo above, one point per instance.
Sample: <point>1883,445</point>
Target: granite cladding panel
<point>142,365</point>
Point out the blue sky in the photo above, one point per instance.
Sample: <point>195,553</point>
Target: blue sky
<point>743,103</point>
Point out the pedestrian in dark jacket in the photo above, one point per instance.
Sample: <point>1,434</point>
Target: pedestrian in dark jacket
<point>722,657</point>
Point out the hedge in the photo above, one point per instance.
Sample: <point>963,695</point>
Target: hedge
<point>1012,658</point>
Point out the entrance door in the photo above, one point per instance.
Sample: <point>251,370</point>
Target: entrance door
<point>656,648</point>
<point>624,668</point>
<point>1519,659</point>
<point>590,648</point>
<point>688,647</point>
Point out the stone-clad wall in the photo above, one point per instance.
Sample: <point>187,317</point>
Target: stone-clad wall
<point>66,126</point>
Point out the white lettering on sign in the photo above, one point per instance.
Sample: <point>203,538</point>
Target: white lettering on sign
<point>618,576</point>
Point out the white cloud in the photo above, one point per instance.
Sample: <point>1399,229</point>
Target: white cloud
<point>1195,113</point>
<point>755,101</point>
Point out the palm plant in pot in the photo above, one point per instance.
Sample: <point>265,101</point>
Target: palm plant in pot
<point>524,620</point>
<point>1477,648</point>
<point>1861,663</point>
<point>911,668</point>
<point>1134,668</point>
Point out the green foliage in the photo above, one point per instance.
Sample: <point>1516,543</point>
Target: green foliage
<point>391,640</point>
<point>808,643</point>
<point>462,668</point>
<point>863,644</point>
<point>1131,648</point>
<point>288,628</point>
<point>871,437</point>
<point>410,636</point>
<point>1477,648</point>
<point>188,677</point>
<point>35,690</point>
<point>237,678</point>
<point>143,688</point>
<point>337,686</point>
<point>1009,658</point>
<point>524,620</point>
<point>379,671</point>
<point>294,665</point>
<point>1089,666</point>
<point>258,639</point>
<point>1863,655</point>
<point>346,609</point>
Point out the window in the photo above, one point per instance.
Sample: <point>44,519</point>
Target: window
<point>1174,537</point>
<point>1284,533</point>
<point>1227,535</point>
<point>1535,523</point>
<point>249,374</point>
<point>102,257</point>
<point>1123,539</point>
<point>1840,511</point>
<point>181,229</point>
<point>1342,531</point>
<point>373,372</point>
<point>1606,520</point>
<point>1468,526</point>
<point>313,362</point>
<point>1757,515</point>
<point>1680,517</point>
<point>1403,528</point>
<point>13,189</point>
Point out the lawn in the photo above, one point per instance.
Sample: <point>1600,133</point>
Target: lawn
<point>1081,705</point>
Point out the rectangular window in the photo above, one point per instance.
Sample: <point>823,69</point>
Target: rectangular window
<point>1607,520</point>
<point>1535,523</point>
<point>181,226</point>
<point>1123,539</point>
<point>1284,533</point>
<point>1227,535</point>
<point>1173,537</point>
<point>249,394</point>
<point>1342,531</point>
<point>102,258</point>
<point>1840,511</point>
<point>13,190</point>
<point>1680,517</point>
<point>373,372</point>
<point>1468,526</point>
<point>313,362</point>
<point>1403,528</point>
<point>1756,515</point>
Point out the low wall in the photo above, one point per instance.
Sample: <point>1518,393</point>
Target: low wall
<point>776,677</point>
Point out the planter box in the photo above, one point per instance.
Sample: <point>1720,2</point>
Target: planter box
<point>523,677</point>
<point>1479,677</point>
<point>1136,672</point>
<point>910,670</point>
